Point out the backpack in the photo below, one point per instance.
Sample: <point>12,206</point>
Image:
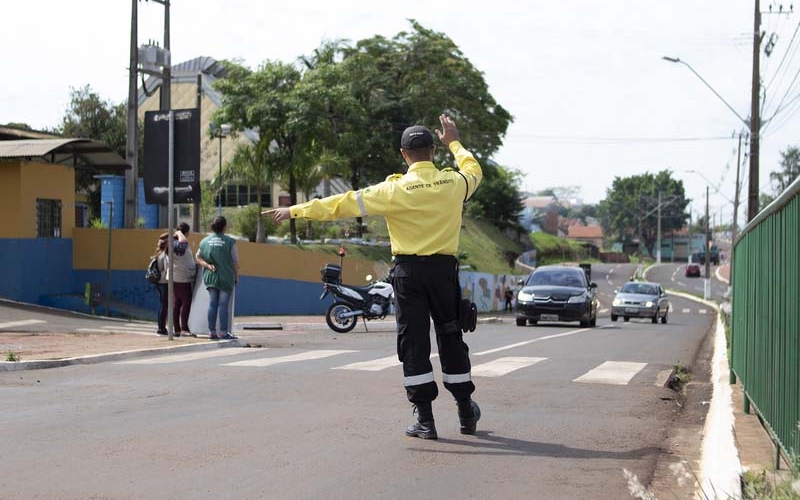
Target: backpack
<point>152,274</point>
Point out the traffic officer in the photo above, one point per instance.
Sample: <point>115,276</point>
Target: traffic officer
<point>422,209</point>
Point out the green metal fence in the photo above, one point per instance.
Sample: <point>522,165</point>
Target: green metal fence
<point>765,336</point>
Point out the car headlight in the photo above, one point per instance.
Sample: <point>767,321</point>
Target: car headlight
<point>524,297</point>
<point>577,299</point>
<point>617,302</point>
<point>649,303</point>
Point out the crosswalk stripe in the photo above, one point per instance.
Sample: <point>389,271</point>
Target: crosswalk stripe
<point>303,356</point>
<point>685,311</point>
<point>24,322</point>
<point>503,366</point>
<point>374,365</point>
<point>191,356</point>
<point>612,372</point>
<point>703,311</point>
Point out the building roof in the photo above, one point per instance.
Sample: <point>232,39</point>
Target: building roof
<point>585,232</point>
<point>8,133</point>
<point>78,153</point>
<point>539,201</point>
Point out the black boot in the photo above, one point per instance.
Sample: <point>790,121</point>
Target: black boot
<point>423,428</point>
<point>468,414</point>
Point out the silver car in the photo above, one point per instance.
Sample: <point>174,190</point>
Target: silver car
<point>640,299</point>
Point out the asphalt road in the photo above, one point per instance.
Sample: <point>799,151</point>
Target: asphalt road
<point>565,410</point>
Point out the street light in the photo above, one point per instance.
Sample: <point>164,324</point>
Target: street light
<point>753,124</point>
<point>220,131</point>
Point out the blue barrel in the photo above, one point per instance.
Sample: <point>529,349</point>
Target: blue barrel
<point>148,213</point>
<point>112,189</point>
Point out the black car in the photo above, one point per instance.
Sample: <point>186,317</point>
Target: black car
<point>557,293</point>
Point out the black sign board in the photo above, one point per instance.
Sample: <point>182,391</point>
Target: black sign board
<point>186,150</point>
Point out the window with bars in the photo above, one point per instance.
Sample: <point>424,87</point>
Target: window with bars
<point>48,218</point>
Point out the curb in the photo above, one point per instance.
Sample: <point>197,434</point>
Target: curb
<point>13,366</point>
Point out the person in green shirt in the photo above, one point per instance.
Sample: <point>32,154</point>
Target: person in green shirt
<point>218,257</point>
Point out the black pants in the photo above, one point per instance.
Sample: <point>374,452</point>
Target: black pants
<point>425,288</point>
<point>163,301</point>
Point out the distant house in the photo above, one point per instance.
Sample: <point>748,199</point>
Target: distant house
<point>535,212</point>
<point>592,235</point>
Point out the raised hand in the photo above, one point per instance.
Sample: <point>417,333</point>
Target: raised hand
<point>449,132</point>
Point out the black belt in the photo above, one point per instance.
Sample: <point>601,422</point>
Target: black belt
<point>435,258</point>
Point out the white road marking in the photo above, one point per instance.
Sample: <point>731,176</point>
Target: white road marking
<point>24,322</point>
<point>503,366</point>
<point>303,356</point>
<point>191,356</point>
<point>546,337</point>
<point>680,283</point>
<point>374,365</point>
<point>612,372</point>
<point>703,311</point>
<point>662,377</point>
<point>686,310</point>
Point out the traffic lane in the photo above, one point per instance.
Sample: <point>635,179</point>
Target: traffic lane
<point>608,278</point>
<point>149,422</point>
<point>660,346</point>
<point>263,436</point>
<point>672,276</point>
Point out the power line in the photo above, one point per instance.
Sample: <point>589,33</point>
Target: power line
<point>789,48</point>
<point>555,139</point>
<point>785,95</point>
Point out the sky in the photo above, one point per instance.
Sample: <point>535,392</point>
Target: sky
<point>591,96</point>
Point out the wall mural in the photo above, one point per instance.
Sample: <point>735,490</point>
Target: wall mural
<point>487,290</point>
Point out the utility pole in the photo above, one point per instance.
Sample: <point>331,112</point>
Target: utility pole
<point>658,239</point>
<point>132,144</point>
<point>165,101</point>
<point>707,281</point>
<point>755,118</point>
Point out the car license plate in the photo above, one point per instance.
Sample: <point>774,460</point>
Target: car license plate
<point>548,317</point>
<point>631,310</point>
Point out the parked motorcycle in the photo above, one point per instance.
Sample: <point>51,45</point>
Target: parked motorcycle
<point>351,302</point>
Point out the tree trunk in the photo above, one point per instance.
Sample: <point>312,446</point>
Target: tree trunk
<point>293,198</point>
<point>260,226</point>
<point>354,182</point>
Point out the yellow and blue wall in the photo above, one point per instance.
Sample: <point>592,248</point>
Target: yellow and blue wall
<point>275,279</point>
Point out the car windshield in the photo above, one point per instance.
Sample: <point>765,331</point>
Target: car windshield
<point>640,288</point>
<point>557,279</point>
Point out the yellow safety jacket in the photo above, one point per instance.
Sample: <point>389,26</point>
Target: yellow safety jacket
<point>422,207</point>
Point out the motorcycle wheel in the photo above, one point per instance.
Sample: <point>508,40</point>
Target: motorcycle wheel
<point>338,324</point>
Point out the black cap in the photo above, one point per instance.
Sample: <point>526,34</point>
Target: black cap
<point>416,137</point>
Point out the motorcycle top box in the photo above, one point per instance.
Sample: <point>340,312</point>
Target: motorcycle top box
<point>331,273</point>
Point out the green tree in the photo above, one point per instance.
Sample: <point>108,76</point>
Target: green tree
<point>790,170</point>
<point>250,165</point>
<point>497,200</point>
<point>90,116</point>
<point>264,100</point>
<point>629,211</point>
